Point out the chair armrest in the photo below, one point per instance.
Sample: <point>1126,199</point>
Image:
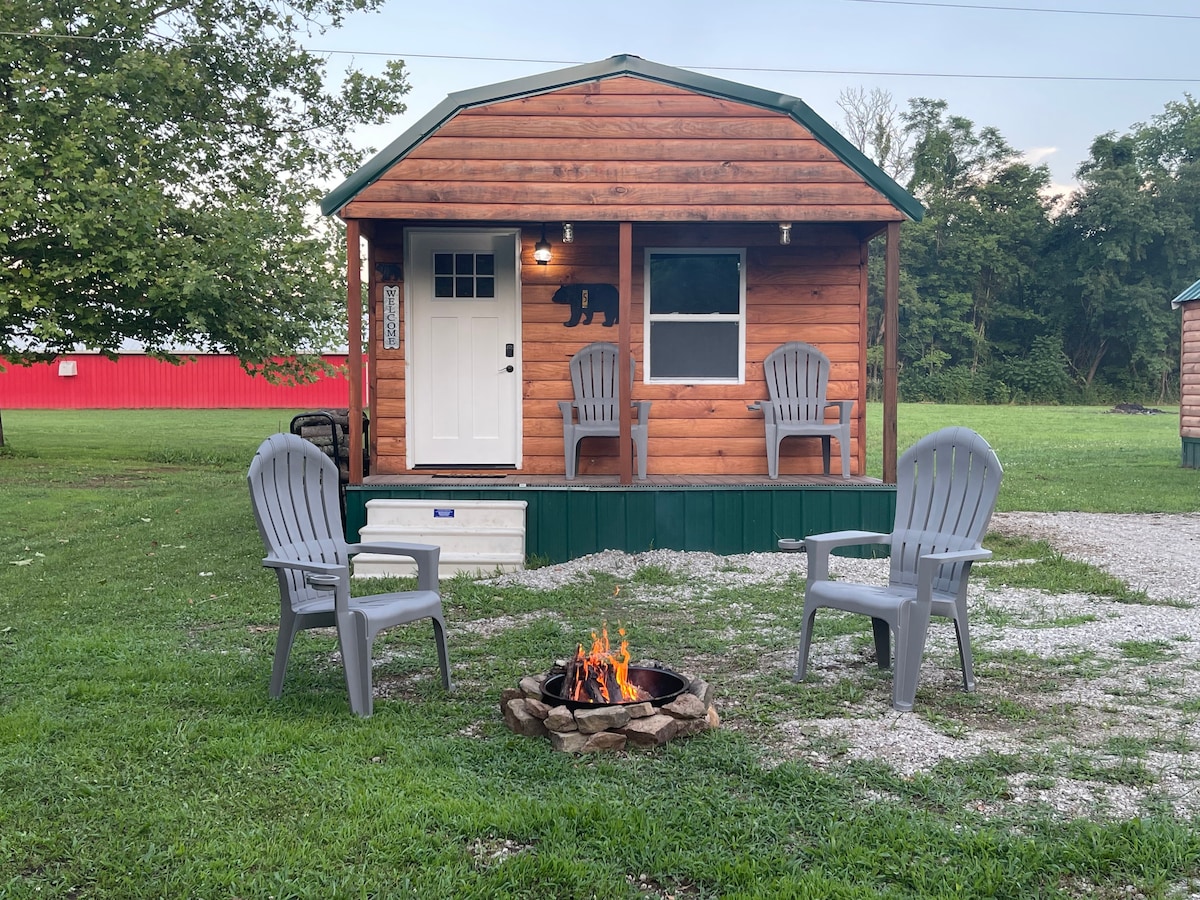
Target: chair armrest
<point>929,564</point>
<point>820,545</point>
<point>844,407</point>
<point>567,408</point>
<point>643,410</point>
<point>426,557</point>
<point>300,565</point>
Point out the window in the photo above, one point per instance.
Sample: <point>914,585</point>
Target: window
<point>464,275</point>
<point>695,315</point>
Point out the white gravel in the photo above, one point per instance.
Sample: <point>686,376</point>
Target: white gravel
<point>1104,692</point>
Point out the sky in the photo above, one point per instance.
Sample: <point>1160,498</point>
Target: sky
<point>1059,72</point>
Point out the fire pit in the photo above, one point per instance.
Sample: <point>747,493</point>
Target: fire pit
<point>655,685</point>
<point>598,701</point>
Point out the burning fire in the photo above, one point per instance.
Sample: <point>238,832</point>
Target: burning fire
<point>601,676</point>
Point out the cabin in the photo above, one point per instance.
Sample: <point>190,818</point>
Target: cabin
<point>693,222</point>
<point>1189,376</point>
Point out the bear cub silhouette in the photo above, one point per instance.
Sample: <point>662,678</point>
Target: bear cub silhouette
<point>585,299</point>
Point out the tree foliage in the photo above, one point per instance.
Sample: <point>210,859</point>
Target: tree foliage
<point>159,163</point>
<point>1008,293</point>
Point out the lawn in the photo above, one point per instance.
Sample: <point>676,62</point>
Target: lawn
<point>141,757</point>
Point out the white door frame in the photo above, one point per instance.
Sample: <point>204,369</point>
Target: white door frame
<point>411,301</point>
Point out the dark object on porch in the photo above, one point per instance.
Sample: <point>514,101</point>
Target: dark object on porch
<point>293,489</point>
<point>586,299</point>
<point>594,411</point>
<point>329,430</point>
<point>797,376</point>
<point>946,490</point>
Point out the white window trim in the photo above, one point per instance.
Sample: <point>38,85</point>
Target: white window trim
<point>740,318</point>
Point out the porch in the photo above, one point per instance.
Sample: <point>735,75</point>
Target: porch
<point>715,513</point>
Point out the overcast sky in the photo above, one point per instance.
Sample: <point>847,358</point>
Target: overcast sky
<point>1104,66</point>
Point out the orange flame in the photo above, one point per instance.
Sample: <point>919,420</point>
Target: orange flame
<point>603,669</point>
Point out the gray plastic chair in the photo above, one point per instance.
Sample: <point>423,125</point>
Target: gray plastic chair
<point>946,489</point>
<point>797,376</point>
<point>594,411</point>
<point>294,492</point>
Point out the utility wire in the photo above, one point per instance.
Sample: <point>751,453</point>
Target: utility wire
<point>1033,9</point>
<point>1124,79</point>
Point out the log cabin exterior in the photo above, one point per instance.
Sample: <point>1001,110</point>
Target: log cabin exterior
<point>1189,376</point>
<point>674,185</point>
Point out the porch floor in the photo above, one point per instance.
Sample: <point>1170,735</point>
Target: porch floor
<point>521,480</point>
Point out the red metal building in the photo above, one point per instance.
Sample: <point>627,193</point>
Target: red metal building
<point>137,381</point>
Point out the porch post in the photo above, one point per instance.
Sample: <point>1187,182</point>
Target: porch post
<point>891,325</point>
<point>354,346</point>
<point>624,289</point>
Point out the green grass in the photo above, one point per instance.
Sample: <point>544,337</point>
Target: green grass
<point>1064,458</point>
<point>141,757</point>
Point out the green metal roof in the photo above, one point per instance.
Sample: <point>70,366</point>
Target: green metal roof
<point>1191,293</point>
<point>613,67</point>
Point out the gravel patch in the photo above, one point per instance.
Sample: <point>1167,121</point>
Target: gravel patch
<point>1102,688</point>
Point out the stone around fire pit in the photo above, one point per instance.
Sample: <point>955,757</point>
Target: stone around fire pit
<point>602,728</point>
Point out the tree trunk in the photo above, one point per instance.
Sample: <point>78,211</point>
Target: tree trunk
<point>1,429</point>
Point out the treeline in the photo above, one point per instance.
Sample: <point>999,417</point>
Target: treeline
<point>1011,294</point>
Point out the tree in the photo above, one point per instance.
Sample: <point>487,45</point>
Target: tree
<point>159,164</point>
<point>874,124</point>
<point>977,254</point>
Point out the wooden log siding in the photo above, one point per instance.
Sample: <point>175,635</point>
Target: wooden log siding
<point>1189,389</point>
<point>622,149</point>
<point>812,290</point>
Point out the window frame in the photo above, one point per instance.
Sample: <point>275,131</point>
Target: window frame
<point>650,318</point>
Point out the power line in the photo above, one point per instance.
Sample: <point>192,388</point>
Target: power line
<point>875,73</point>
<point>1033,9</point>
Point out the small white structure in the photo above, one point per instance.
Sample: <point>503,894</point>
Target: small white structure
<point>479,537</point>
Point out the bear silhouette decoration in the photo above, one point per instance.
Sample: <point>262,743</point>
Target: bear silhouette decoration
<point>586,299</point>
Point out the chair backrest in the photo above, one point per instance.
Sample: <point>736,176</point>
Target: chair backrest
<point>294,493</point>
<point>797,375</point>
<point>946,489</point>
<point>594,380</point>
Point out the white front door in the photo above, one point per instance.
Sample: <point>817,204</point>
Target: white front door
<point>463,347</point>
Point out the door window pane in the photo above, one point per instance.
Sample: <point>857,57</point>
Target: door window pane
<point>458,276</point>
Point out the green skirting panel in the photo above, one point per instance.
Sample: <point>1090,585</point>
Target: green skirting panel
<point>563,523</point>
<point>1191,453</point>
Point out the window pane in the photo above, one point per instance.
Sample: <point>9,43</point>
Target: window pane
<point>485,287</point>
<point>694,350</point>
<point>464,287</point>
<point>443,286</point>
<point>695,283</point>
<point>443,264</point>
<point>464,264</point>
<point>485,264</point>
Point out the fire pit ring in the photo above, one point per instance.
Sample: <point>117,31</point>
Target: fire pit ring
<point>662,685</point>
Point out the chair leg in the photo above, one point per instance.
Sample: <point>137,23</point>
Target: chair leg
<point>964,653</point>
<point>571,453</point>
<point>883,642</point>
<point>288,626</point>
<point>639,447</point>
<point>844,446</point>
<point>825,453</point>
<point>439,637</point>
<point>805,644</point>
<point>356,659</point>
<point>912,626</point>
<point>772,453</point>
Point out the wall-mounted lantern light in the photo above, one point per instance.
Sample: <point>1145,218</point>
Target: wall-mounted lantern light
<point>541,250</point>
<point>785,232</point>
<point>568,232</point>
